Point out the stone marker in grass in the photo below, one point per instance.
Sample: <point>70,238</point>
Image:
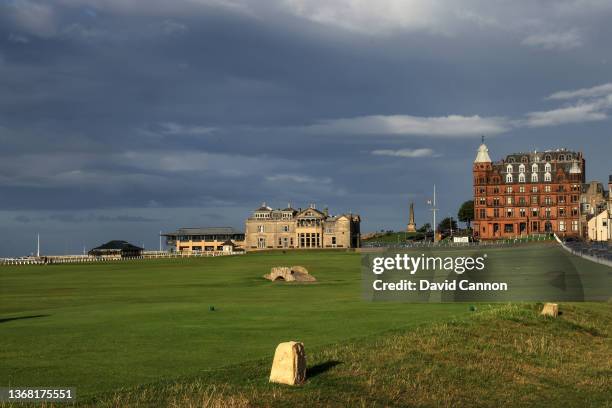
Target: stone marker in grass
<point>550,309</point>
<point>289,365</point>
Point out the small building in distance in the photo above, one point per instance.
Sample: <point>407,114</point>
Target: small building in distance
<point>599,227</point>
<point>116,249</point>
<point>310,228</point>
<point>207,239</point>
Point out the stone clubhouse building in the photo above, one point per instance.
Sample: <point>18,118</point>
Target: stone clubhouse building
<point>310,228</point>
<point>527,193</point>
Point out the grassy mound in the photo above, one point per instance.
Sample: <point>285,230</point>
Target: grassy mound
<point>500,356</point>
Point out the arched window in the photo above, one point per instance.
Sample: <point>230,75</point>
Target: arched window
<point>547,167</point>
<point>522,168</point>
<point>547,157</point>
<point>534,177</point>
<point>561,157</point>
<point>509,168</point>
<point>508,178</point>
<point>521,177</point>
<point>534,168</point>
<point>547,177</point>
<point>524,159</point>
<point>510,159</point>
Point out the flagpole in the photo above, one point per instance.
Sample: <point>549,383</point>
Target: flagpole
<point>434,209</point>
<point>38,245</point>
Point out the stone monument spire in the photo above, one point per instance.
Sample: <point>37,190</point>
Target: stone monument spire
<point>411,225</point>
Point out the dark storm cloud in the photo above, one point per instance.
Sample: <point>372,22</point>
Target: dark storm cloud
<point>215,106</point>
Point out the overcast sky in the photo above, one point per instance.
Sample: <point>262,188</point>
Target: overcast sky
<point>120,118</point>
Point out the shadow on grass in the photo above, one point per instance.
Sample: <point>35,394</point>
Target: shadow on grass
<point>321,368</point>
<point>9,319</point>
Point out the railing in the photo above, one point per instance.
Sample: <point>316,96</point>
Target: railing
<point>488,243</point>
<point>600,253</point>
<point>71,259</point>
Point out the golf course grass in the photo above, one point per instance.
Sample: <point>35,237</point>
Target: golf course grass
<point>99,327</point>
<point>142,333</point>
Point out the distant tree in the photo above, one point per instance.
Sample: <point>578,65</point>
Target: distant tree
<point>425,228</point>
<point>445,225</point>
<point>466,212</point>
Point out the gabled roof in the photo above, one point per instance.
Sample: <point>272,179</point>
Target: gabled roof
<point>314,210</point>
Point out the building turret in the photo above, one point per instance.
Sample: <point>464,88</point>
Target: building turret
<point>483,153</point>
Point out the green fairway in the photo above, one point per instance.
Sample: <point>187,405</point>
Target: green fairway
<point>103,326</point>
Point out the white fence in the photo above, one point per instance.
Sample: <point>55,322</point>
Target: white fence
<point>70,259</point>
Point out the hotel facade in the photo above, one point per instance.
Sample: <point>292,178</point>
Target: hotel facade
<point>310,228</point>
<point>527,193</point>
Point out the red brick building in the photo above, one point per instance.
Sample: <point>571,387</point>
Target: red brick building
<point>527,193</point>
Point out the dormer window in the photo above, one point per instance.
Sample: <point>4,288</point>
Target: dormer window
<point>534,177</point>
<point>534,168</point>
<point>521,177</point>
<point>547,157</point>
<point>509,168</point>
<point>561,158</point>
<point>522,168</point>
<point>508,178</point>
<point>524,159</point>
<point>547,177</point>
<point>547,167</point>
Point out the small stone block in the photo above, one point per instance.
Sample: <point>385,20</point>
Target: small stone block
<point>550,309</point>
<point>289,365</point>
